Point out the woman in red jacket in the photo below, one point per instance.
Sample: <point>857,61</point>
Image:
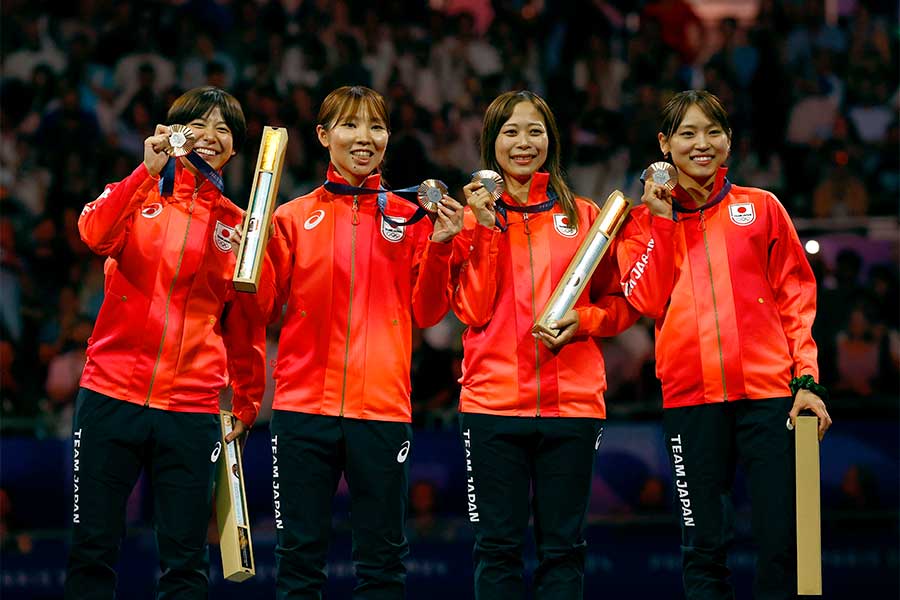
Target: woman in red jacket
<point>531,409</point>
<point>170,335</point>
<point>355,273</point>
<point>721,269</point>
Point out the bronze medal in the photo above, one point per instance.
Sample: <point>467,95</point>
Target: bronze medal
<point>662,173</point>
<point>430,193</point>
<point>491,181</point>
<point>180,141</point>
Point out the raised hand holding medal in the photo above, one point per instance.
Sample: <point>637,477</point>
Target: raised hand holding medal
<point>482,193</point>
<point>180,140</point>
<point>659,179</point>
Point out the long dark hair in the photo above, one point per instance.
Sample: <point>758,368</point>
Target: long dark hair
<point>498,113</point>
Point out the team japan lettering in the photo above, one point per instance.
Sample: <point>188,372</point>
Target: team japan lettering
<point>470,478</point>
<point>638,270</point>
<point>276,485</point>
<point>76,452</point>
<point>681,483</point>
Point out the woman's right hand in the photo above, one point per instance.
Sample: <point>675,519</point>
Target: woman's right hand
<point>481,203</point>
<point>658,199</point>
<point>155,157</point>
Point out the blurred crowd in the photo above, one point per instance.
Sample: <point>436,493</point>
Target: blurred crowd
<point>813,100</point>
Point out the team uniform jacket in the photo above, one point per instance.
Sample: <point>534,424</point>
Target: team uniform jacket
<point>353,284</point>
<point>732,293</point>
<point>172,331</point>
<point>504,281</point>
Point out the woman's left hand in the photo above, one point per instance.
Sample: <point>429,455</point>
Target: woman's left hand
<point>806,400</point>
<point>238,429</point>
<point>567,326</point>
<point>448,221</point>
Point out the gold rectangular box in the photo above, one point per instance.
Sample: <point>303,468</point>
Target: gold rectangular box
<point>232,517</point>
<point>585,261</point>
<point>258,218</point>
<point>809,507</point>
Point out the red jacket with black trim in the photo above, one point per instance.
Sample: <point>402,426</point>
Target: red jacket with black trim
<point>502,282</point>
<point>171,332</point>
<point>732,293</point>
<point>353,285</point>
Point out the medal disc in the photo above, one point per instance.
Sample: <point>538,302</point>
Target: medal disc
<point>662,173</point>
<point>180,141</point>
<point>491,181</point>
<point>430,193</point>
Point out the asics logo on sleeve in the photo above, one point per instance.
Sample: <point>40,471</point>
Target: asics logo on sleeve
<point>314,219</point>
<point>215,453</point>
<point>404,452</point>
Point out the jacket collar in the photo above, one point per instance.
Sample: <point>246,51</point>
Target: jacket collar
<point>537,191</point>
<point>186,182</point>
<point>373,181</point>
<point>686,199</point>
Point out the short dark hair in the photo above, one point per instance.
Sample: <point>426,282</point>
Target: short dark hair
<point>347,100</point>
<point>197,103</point>
<point>677,106</point>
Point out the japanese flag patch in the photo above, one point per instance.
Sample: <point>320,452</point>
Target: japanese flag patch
<point>222,236</point>
<point>562,226</point>
<point>742,213</point>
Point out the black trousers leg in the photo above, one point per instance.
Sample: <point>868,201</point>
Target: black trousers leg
<point>765,449</point>
<point>307,459</point>
<point>109,437</point>
<point>498,475</point>
<point>377,471</point>
<point>700,442</point>
<point>563,471</point>
<point>182,472</point>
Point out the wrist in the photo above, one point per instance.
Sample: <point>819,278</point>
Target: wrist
<point>806,382</point>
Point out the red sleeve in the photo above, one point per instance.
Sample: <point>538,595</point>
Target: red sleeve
<point>794,287</point>
<point>431,281</point>
<point>245,344</point>
<point>475,288</point>
<point>104,223</point>
<point>277,267</point>
<point>645,256</point>
<point>609,313</point>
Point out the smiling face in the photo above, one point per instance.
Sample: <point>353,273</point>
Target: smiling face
<point>698,145</point>
<point>521,145</point>
<point>356,143</point>
<point>214,140</point>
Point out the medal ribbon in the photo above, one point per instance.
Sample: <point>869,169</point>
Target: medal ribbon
<point>677,208</point>
<point>342,189</point>
<point>502,207</point>
<point>167,181</point>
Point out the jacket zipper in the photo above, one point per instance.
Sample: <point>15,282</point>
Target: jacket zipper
<point>162,340</point>
<point>715,305</point>
<point>355,222</point>
<point>537,344</point>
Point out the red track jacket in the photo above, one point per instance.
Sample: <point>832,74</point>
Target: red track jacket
<point>504,281</point>
<point>353,285</point>
<point>732,293</point>
<point>171,331</point>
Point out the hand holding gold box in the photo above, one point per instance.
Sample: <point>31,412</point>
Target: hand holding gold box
<point>232,517</point>
<point>258,218</point>
<point>584,263</point>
